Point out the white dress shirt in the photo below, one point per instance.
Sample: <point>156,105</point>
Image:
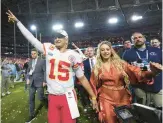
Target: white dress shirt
<point>94,61</point>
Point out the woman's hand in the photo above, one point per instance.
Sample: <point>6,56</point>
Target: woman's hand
<point>95,105</point>
<point>156,67</point>
<point>11,16</point>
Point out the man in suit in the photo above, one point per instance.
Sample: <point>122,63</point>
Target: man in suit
<point>25,68</point>
<point>89,62</point>
<point>36,81</point>
<point>88,66</point>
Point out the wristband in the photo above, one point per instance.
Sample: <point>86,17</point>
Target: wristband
<point>93,98</point>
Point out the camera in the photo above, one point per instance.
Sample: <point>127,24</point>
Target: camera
<point>137,113</point>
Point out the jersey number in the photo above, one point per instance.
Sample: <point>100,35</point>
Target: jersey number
<point>60,70</point>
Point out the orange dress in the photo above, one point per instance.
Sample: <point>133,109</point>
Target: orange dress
<point>112,91</point>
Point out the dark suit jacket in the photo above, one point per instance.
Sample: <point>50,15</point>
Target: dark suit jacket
<point>39,74</point>
<point>87,69</point>
<point>25,67</point>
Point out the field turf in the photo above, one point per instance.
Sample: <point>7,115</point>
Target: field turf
<point>14,108</point>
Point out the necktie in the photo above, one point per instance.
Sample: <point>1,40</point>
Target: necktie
<point>92,63</point>
<point>33,63</point>
<point>33,67</point>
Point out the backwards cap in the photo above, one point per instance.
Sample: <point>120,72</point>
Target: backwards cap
<point>62,32</point>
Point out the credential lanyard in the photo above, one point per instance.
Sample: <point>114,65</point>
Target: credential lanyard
<point>140,57</point>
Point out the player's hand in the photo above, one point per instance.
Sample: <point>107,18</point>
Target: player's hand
<point>95,105</point>
<point>11,16</point>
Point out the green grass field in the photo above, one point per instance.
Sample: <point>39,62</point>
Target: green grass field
<point>14,108</point>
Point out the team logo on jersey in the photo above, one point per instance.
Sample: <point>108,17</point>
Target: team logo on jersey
<point>50,54</point>
<point>152,53</point>
<point>76,65</point>
<point>71,58</point>
<point>69,93</point>
<point>52,47</point>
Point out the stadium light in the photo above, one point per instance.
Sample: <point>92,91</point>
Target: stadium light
<point>113,20</point>
<point>79,24</point>
<point>57,27</point>
<point>136,17</point>
<point>33,27</point>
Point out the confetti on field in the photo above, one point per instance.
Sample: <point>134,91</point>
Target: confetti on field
<point>15,108</point>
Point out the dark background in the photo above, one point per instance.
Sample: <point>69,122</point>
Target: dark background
<point>94,14</point>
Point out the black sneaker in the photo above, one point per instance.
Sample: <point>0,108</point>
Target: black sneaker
<point>30,119</point>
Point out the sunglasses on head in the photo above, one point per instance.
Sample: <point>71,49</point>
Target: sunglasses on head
<point>58,35</point>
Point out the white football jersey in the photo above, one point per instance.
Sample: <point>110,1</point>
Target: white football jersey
<point>60,69</point>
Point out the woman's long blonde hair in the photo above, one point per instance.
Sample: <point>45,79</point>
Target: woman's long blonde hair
<point>114,60</point>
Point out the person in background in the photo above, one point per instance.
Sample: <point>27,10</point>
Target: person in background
<point>12,73</point>
<point>141,55</point>
<point>89,62</point>
<point>126,46</point>
<point>88,66</point>
<point>110,79</point>
<point>85,53</point>
<point>25,68</point>
<point>5,77</point>
<point>36,81</point>
<point>18,70</point>
<point>155,43</point>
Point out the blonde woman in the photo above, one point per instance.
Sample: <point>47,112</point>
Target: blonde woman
<point>110,79</point>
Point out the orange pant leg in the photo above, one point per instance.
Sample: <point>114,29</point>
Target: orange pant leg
<point>106,114</point>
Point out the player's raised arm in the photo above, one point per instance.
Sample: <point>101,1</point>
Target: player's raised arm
<point>27,34</point>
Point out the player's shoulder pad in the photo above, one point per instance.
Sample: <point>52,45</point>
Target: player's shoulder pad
<point>46,44</point>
